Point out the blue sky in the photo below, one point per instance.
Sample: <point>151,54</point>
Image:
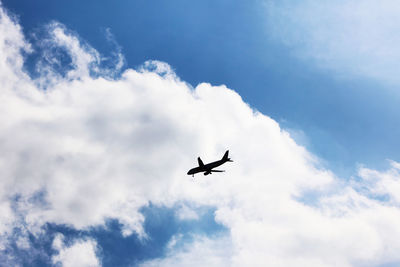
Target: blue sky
<point>346,120</point>
<point>324,72</point>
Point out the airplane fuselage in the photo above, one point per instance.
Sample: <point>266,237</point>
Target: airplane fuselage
<point>207,167</point>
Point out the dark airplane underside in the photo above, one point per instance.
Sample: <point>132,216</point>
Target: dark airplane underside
<point>208,168</point>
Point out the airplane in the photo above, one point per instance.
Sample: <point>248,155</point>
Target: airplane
<point>208,168</point>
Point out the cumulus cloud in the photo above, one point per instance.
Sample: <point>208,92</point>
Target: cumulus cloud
<point>349,37</point>
<point>203,252</point>
<point>90,147</point>
<point>82,253</point>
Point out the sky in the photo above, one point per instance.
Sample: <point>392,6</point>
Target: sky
<point>106,105</point>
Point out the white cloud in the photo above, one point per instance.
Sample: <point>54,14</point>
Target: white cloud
<point>81,253</point>
<point>103,148</point>
<point>23,242</point>
<point>11,43</point>
<point>84,58</point>
<point>350,37</point>
<point>186,213</point>
<point>203,252</point>
<point>383,184</point>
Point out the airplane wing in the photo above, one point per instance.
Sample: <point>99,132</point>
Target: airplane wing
<point>216,171</point>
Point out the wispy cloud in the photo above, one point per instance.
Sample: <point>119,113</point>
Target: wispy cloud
<point>352,38</point>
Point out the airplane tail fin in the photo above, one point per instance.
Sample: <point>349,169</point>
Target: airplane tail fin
<point>225,157</point>
<point>201,164</point>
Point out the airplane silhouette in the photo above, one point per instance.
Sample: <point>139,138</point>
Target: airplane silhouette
<point>208,168</point>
